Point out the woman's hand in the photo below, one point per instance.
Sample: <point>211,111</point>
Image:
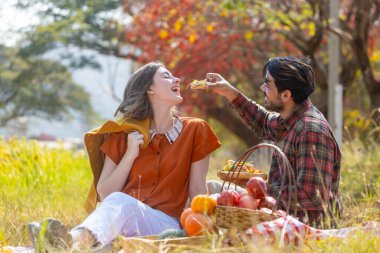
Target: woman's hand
<point>218,84</point>
<point>135,141</point>
<point>114,176</point>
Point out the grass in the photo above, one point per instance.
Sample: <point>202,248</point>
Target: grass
<point>36,182</point>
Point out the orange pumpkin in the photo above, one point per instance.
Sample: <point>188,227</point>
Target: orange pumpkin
<point>184,215</point>
<point>198,224</point>
<point>203,204</point>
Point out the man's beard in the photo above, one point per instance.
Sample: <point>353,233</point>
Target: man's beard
<point>276,107</point>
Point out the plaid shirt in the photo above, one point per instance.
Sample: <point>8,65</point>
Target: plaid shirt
<point>310,146</point>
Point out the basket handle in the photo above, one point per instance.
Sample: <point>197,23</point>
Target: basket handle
<point>286,172</point>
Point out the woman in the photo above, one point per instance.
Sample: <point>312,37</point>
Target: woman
<point>144,190</point>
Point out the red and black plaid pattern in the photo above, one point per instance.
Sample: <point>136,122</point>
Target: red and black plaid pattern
<point>310,146</point>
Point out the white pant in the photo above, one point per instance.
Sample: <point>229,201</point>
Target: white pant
<point>121,214</point>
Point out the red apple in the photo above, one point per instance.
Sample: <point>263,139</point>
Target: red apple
<point>247,201</point>
<point>243,193</point>
<point>257,187</point>
<point>228,198</point>
<point>268,202</point>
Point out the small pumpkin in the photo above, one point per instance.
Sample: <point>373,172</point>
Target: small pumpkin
<point>198,224</point>
<point>203,204</point>
<point>184,215</point>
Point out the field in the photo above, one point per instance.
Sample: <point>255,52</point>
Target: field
<point>37,182</point>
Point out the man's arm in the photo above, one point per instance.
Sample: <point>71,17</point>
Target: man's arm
<point>265,124</point>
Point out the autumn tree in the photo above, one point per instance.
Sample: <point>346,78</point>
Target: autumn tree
<point>305,24</point>
<point>360,24</point>
<point>196,37</point>
<point>234,38</point>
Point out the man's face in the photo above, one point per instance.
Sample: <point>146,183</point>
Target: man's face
<point>273,100</point>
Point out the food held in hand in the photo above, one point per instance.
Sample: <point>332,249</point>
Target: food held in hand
<point>198,85</point>
<point>257,187</point>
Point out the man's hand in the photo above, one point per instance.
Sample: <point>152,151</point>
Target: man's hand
<point>218,84</point>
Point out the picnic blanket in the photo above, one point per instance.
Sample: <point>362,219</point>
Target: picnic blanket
<point>289,230</point>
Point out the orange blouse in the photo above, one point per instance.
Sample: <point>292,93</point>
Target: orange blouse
<point>160,174</point>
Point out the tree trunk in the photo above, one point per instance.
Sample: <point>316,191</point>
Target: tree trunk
<point>359,44</point>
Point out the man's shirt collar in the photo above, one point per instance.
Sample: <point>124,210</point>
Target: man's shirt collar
<point>300,109</point>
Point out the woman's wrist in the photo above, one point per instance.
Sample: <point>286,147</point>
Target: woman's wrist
<point>128,157</point>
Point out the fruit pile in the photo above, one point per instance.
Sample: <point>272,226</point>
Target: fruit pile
<point>196,220</point>
<point>254,197</point>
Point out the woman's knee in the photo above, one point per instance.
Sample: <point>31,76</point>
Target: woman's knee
<point>213,186</point>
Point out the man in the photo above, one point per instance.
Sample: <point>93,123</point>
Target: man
<point>300,130</point>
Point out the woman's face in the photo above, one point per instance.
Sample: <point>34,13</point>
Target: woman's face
<point>165,88</point>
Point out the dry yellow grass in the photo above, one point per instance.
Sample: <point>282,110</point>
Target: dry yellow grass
<point>36,182</point>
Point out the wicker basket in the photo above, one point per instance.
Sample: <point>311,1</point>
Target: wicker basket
<point>242,218</point>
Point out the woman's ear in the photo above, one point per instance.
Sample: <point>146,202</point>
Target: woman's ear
<point>150,92</point>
